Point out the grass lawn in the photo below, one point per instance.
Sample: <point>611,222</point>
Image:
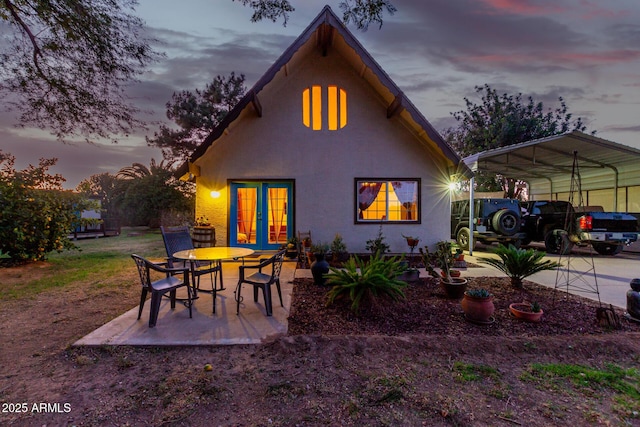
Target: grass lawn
<point>99,262</point>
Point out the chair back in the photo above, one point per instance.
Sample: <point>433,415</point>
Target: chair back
<point>277,260</point>
<point>176,239</point>
<point>143,270</point>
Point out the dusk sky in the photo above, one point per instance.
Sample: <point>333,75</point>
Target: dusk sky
<point>586,51</point>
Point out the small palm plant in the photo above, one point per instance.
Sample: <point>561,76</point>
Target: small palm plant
<point>519,263</point>
<point>362,281</point>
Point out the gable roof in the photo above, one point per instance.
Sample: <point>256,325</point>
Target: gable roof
<point>323,27</point>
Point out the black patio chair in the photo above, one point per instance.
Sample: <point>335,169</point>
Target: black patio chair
<point>169,284</point>
<point>179,239</point>
<point>260,280</point>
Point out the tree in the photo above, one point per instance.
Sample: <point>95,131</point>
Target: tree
<point>502,120</point>
<point>197,113</point>
<point>360,12</point>
<point>153,193</point>
<point>110,190</point>
<point>69,62</point>
<point>36,215</point>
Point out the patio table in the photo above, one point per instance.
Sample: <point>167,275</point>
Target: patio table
<point>215,254</point>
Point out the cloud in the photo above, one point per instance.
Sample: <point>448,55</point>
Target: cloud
<point>525,37</point>
<point>76,161</point>
<point>622,128</point>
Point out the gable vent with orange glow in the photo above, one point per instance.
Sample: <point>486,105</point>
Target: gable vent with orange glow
<point>336,107</point>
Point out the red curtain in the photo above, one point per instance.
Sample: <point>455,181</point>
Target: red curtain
<point>367,193</point>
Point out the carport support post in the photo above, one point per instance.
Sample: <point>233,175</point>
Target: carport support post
<point>471,215</point>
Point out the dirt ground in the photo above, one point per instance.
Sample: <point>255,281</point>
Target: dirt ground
<point>414,362</point>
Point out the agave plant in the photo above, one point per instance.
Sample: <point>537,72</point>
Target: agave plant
<point>361,280</point>
<point>519,263</point>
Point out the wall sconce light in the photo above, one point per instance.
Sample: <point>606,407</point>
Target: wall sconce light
<point>215,194</point>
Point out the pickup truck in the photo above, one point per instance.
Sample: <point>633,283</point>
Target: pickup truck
<point>606,232</point>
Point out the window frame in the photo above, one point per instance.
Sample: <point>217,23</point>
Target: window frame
<point>359,221</point>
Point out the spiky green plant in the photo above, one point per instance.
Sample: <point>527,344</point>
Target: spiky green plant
<point>362,281</point>
<point>478,293</point>
<point>519,263</point>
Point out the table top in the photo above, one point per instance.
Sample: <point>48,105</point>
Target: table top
<point>213,254</point>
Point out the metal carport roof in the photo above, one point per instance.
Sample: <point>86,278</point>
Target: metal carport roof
<point>546,163</point>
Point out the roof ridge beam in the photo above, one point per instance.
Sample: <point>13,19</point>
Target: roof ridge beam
<point>325,37</point>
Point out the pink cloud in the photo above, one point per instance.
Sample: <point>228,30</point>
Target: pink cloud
<point>522,7</point>
<point>593,10</point>
<point>535,59</point>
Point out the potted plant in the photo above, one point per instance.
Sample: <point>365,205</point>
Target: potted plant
<point>412,241</point>
<point>529,312</point>
<point>339,252</point>
<point>306,242</point>
<point>458,259</point>
<point>203,234</point>
<point>292,247</point>
<point>320,266</point>
<point>477,305</point>
<point>519,263</point>
<point>453,287</point>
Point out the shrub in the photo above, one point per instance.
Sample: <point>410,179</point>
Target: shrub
<point>519,263</point>
<point>338,246</point>
<point>36,215</point>
<point>377,245</point>
<point>368,281</point>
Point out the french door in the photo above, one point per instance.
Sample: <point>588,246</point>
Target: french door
<point>261,215</point>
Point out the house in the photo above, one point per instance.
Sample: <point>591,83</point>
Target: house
<point>325,141</point>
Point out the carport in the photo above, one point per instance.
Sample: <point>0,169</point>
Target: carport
<point>609,171</point>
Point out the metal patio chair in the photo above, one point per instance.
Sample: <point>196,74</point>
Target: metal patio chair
<point>179,239</point>
<point>260,280</point>
<point>169,284</point>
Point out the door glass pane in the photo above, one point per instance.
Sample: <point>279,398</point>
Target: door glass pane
<point>277,202</point>
<point>247,209</point>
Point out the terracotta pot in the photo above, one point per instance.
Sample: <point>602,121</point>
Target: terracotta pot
<point>413,242</point>
<point>522,310</point>
<point>452,273</point>
<point>454,289</point>
<point>478,309</point>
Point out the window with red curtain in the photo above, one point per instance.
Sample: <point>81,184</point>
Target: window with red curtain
<point>387,200</point>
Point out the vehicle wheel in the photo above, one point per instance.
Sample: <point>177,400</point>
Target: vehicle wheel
<point>462,239</point>
<point>607,248</point>
<point>557,242</point>
<point>505,222</point>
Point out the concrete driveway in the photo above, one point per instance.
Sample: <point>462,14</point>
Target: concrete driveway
<point>583,273</point>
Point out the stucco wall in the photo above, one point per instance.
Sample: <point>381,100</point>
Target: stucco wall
<point>324,163</point>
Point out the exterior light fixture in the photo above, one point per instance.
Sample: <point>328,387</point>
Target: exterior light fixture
<point>215,194</point>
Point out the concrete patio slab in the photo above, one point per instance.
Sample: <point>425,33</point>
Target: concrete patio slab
<point>225,327</point>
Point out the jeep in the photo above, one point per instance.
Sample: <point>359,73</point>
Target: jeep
<point>495,220</point>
